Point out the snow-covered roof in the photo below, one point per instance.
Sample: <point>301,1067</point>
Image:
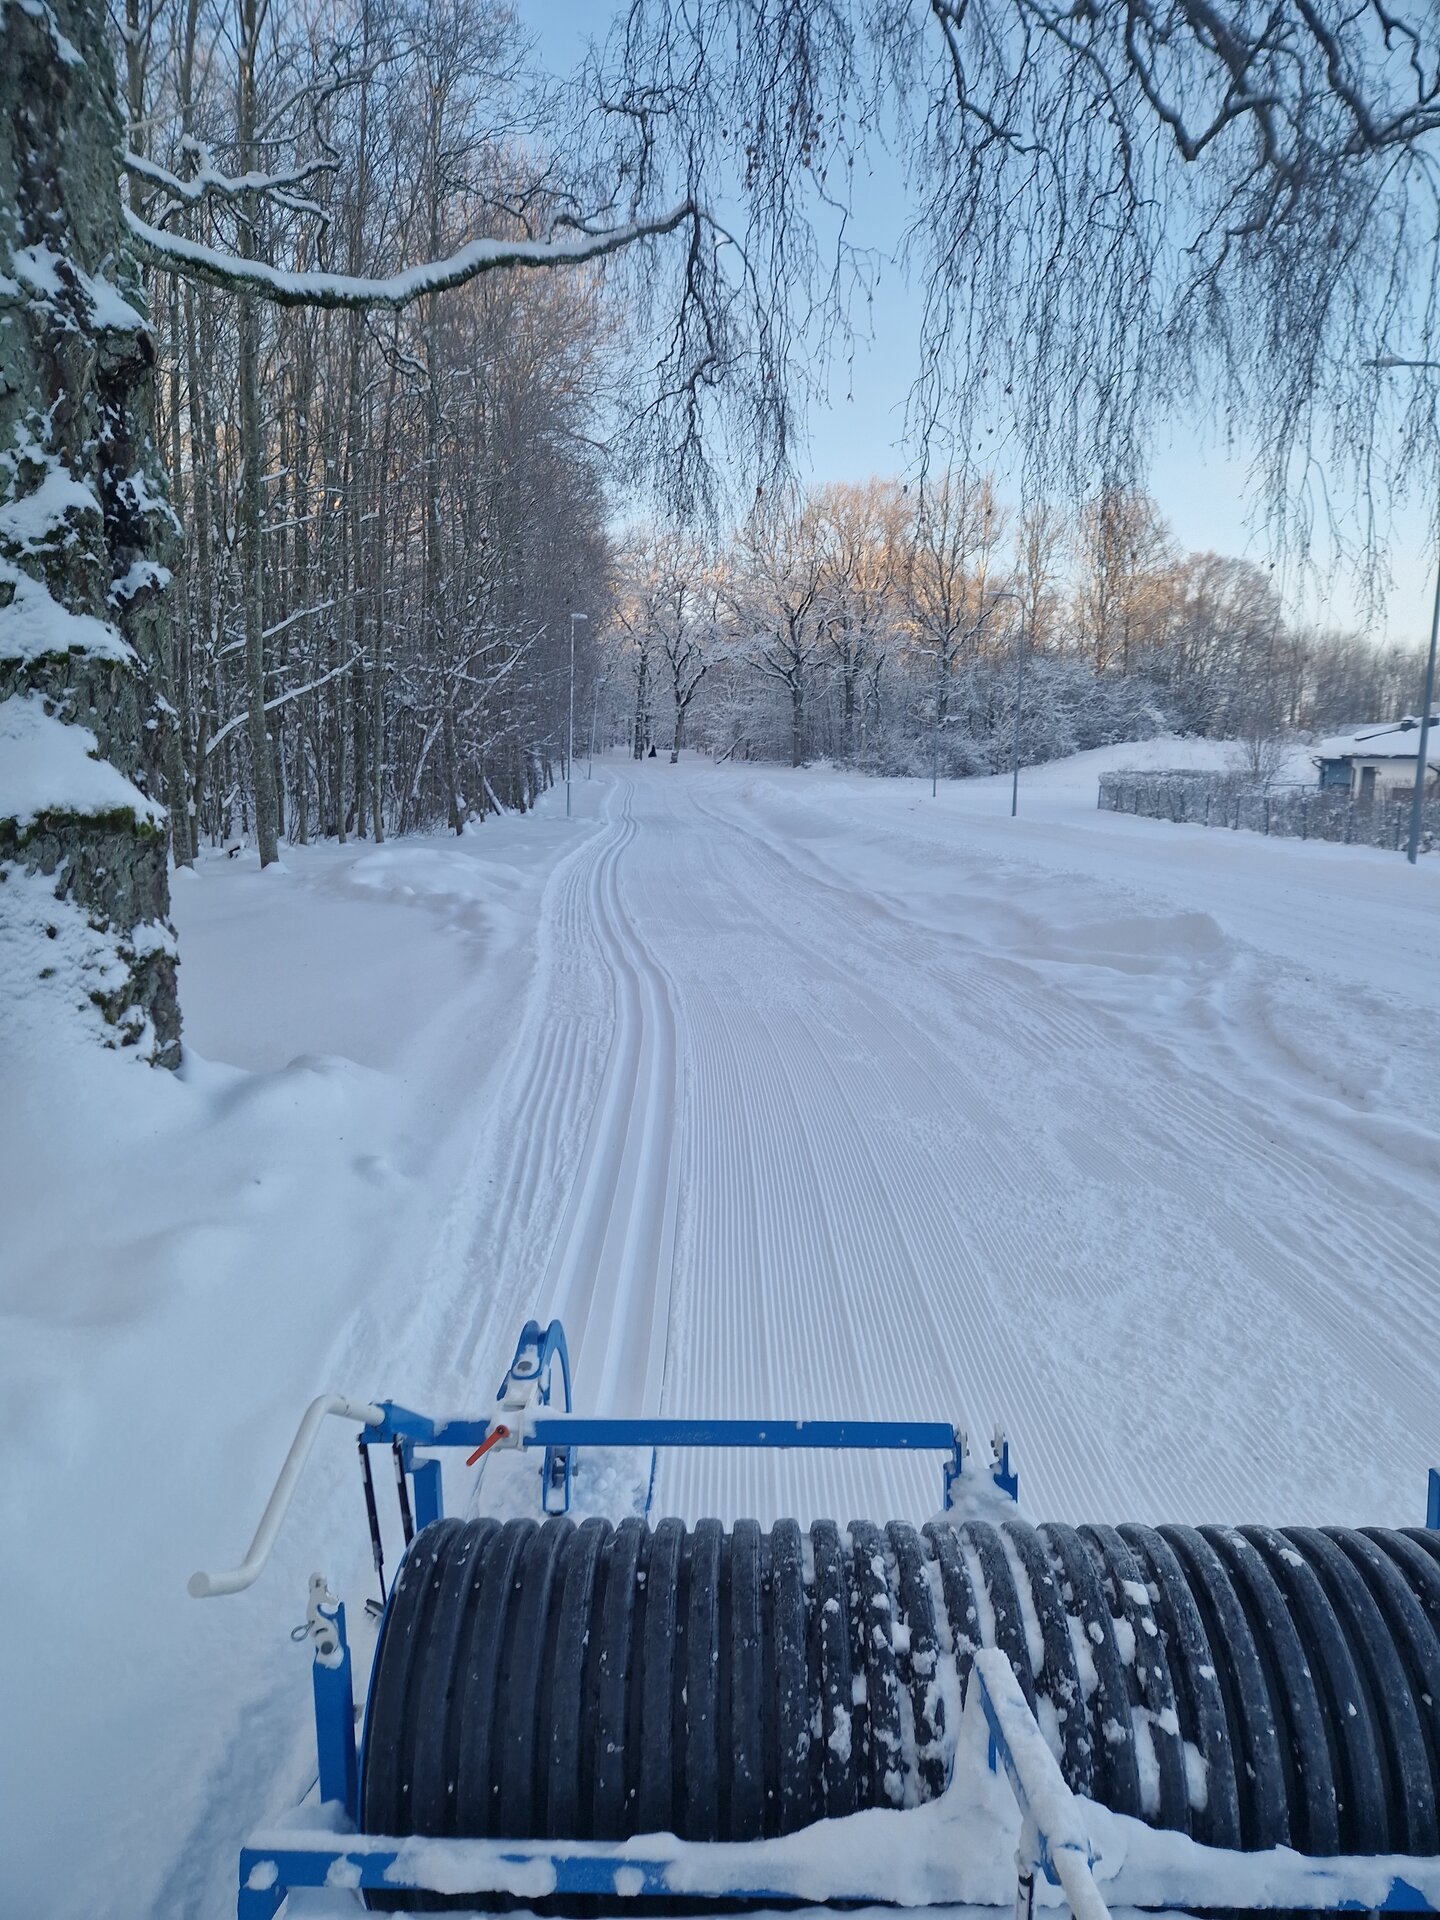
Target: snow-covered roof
<point>1382,740</point>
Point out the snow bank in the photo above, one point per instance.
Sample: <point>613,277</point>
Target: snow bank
<point>188,1259</point>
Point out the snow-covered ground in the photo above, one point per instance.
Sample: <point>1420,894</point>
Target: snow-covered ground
<point>793,1093</point>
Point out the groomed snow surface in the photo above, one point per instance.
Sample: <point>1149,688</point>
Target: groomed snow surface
<point>793,1094</point>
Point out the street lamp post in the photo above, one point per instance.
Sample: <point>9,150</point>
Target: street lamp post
<point>570,732</point>
<point>1387,363</point>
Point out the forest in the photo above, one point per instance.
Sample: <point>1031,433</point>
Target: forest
<point>386,415</point>
<point>438,489</point>
<point>895,627</point>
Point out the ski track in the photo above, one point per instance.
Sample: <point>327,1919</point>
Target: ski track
<point>827,1159</point>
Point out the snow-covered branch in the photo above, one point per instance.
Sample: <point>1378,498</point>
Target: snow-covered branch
<point>192,261</point>
<point>207,184</point>
<point>300,613</point>
<point>280,700</point>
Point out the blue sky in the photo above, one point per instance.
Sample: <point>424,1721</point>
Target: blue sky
<point>1200,488</point>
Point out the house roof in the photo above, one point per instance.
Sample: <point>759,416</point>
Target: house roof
<point>1382,740</point>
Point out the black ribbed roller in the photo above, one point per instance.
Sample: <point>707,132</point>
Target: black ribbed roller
<point>1249,1686</point>
<point>1208,1756</point>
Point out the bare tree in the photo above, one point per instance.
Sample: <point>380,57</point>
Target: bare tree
<point>957,527</point>
<point>778,604</point>
<point>1117,209</point>
<point>1124,555</point>
<point>863,541</point>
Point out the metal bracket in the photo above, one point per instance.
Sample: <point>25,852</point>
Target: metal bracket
<point>1001,1472</point>
<point>334,1697</point>
<point>529,1382</point>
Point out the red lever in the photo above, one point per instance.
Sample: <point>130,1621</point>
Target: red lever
<point>500,1433</point>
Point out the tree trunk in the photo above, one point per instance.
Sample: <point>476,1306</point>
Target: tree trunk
<point>642,706</point>
<point>251,481</point>
<point>82,861</point>
<point>176,639</point>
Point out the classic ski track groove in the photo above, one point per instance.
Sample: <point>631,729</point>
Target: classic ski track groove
<point>610,1271</point>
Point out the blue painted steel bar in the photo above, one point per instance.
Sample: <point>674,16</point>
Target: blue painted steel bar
<point>1432,1504</point>
<point>263,1900</point>
<point>580,1430</point>
<point>530,1375</point>
<point>429,1501</point>
<point>335,1721</point>
<point>1204,1878</point>
<point>561,1433</point>
<point>576,1430</point>
<point>534,1867</point>
<point>535,1353</point>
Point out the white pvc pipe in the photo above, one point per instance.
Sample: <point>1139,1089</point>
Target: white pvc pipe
<point>205,1586</point>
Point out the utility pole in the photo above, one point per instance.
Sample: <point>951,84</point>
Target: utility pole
<point>1387,363</point>
<point>570,733</point>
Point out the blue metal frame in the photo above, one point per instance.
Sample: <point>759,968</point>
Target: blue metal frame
<point>623,1870</point>
<point>560,1433</point>
<point>529,1381</point>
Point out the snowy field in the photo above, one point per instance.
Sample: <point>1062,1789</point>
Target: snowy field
<point>791,1093</point>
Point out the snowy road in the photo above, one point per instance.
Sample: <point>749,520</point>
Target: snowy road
<point>793,1094</point>
<point>895,1119</point>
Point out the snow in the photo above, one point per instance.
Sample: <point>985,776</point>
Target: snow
<point>49,766</point>
<point>1376,740</point>
<point>798,1094</point>
<point>34,624</point>
<point>139,578</point>
<point>32,521</point>
<point>39,269</point>
<point>65,48</point>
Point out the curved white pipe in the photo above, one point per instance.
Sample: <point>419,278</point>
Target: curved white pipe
<point>204,1586</point>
